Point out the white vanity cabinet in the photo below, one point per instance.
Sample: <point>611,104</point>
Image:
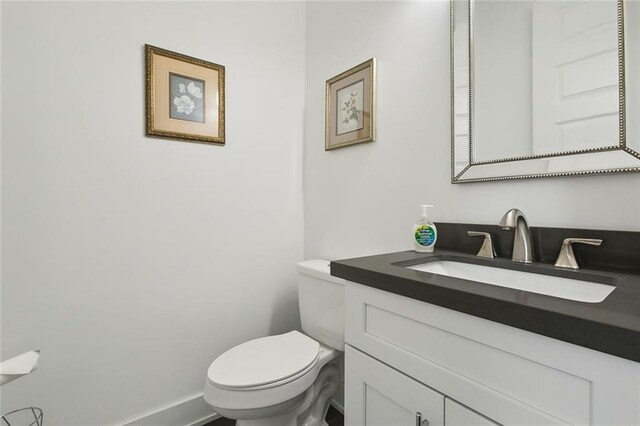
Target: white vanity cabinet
<point>459,415</point>
<point>378,395</point>
<point>405,356</point>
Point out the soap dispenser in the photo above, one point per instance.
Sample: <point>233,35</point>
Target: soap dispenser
<point>425,233</point>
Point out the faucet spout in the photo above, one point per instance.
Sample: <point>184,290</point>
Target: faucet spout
<point>522,241</point>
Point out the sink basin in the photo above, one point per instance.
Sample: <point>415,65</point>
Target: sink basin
<point>565,288</point>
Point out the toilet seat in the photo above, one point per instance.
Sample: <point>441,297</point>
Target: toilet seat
<point>265,362</point>
<point>271,394</point>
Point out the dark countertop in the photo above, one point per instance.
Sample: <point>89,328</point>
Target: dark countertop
<point>611,326</point>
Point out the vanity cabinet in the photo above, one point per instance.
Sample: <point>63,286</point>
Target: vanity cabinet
<point>378,395</point>
<point>459,415</point>
<point>405,356</point>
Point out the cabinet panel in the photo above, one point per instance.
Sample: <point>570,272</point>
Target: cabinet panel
<point>378,395</point>
<point>547,389</point>
<point>458,415</point>
<point>512,376</point>
<point>407,335</point>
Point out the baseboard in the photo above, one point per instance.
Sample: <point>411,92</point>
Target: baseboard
<point>194,411</point>
<point>191,411</point>
<point>337,406</point>
<point>338,399</point>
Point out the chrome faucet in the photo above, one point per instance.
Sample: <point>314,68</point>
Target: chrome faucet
<point>522,242</point>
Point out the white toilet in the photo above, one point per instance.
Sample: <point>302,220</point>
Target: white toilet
<point>286,380</point>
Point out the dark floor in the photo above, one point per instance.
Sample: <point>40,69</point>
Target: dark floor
<point>333,417</point>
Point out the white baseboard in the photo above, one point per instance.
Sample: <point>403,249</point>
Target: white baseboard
<point>194,411</point>
<point>191,411</point>
<point>337,406</point>
<point>338,399</point>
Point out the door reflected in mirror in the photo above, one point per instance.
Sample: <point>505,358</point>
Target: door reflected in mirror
<point>539,88</point>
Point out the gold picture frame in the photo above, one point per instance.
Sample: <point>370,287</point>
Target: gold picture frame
<point>184,97</point>
<point>350,106</point>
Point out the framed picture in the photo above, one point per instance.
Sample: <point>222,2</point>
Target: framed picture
<point>350,104</point>
<point>185,97</point>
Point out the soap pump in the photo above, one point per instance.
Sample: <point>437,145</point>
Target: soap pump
<point>425,233</point>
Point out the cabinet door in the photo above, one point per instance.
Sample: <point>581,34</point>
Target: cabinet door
<point>378,395</point>
<point>457,414</point>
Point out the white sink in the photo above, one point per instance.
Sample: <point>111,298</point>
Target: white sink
<point>565,288</point>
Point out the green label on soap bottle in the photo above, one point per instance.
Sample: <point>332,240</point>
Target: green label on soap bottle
<point>425,235</point>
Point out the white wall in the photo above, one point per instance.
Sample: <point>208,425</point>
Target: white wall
<point>132,262</point>
<point>125,257</point>
<point>1,411</point>
<point>364,199</point>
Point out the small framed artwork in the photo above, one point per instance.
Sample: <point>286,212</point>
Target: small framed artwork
<point>350,104</point>
<point>184,96</point>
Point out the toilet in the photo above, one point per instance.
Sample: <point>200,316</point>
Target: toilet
<point>287,379</point>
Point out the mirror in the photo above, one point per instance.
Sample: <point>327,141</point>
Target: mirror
<point>544,88</point>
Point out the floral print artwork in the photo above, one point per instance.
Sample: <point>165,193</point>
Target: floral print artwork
<point>350,102</point>
<point>186,98</point>
<point>350,109</point>
<point>184,105</point>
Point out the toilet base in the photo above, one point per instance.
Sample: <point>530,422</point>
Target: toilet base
<point>273,411</point>
<point>276,422</point>
<point>309,409</point>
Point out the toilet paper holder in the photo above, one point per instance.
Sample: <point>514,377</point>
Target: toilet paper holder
<point>18,366</point>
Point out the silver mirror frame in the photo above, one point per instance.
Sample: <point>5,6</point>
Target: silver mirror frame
<point>467,174</point>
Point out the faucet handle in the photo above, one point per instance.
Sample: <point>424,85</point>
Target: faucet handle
<point>487,250</point>
<point>566,258</point>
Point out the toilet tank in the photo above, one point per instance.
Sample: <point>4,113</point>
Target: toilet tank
<point>321,300</point>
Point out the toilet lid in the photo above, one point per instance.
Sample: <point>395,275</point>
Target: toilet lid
<point>263,361</point>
